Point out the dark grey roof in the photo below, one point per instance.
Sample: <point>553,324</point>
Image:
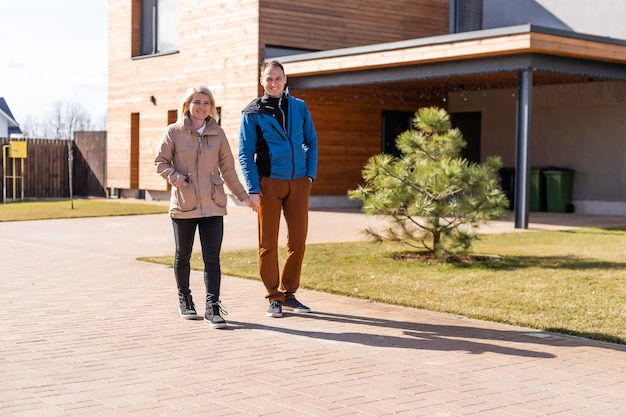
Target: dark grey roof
<point>4,108</point>
<point>582,67</point>
<point>449,38</point>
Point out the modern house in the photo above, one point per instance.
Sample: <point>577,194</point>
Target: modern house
<point>540,83</point>
<point>8,125</point>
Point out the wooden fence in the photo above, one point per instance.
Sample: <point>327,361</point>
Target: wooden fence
<point>46,168</point>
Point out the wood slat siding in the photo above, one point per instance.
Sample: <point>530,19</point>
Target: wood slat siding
<point>578,48</point>
<point>349,127</point>
<point>331,24</point>
<point>218,47</point>
<point>90,164</point>
<point>221,43</point>
<point>46,167</point>
<point>45,170</point>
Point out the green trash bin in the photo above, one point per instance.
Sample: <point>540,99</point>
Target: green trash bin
<point>536,191</point>
<point>559,190</point>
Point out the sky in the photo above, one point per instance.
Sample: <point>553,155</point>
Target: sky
<point>54,51</point>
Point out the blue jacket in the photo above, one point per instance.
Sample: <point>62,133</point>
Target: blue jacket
<point>266,150</point>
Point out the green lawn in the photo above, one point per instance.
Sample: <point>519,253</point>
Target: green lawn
<point>60,209</point>
<point>564,281</point>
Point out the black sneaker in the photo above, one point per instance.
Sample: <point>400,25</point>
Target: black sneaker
<point>275,309</point>
<point>296,306</point>
<point>213,315</point>
<point>187,308</point>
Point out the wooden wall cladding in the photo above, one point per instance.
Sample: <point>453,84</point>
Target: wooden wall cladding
<point>221,44</point>
<point>46,167</point>
<point>329,24</point>
<point>349,128</point>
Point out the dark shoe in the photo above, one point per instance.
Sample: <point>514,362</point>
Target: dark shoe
<point>187,308</point>
<point>213,315</point>
<point>296,306</point>
<point>275,309</point>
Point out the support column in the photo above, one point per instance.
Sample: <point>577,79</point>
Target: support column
<point>522,170</point>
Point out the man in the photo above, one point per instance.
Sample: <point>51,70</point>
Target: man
<point>278,156</point>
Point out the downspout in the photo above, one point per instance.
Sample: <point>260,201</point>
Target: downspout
<point>522,171</point>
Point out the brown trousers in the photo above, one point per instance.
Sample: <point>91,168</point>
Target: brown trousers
<point>291,198</point>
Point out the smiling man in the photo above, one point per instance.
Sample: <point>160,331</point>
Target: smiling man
<point>278,156</point>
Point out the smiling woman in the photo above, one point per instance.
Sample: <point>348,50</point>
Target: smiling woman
<point>70,66</point>
<point>195,158</point>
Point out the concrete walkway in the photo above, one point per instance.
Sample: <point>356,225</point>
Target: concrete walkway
<point>87,330</point>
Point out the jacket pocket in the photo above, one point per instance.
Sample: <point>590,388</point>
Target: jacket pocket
<point>185,197</point>
<point>217,190</point>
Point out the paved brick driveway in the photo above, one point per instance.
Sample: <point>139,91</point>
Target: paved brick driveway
<point>86,330</point>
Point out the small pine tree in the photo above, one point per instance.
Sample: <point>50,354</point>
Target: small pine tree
<point>434,197</point>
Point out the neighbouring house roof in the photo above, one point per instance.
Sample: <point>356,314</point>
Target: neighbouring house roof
<point>469,59</point>
<point>14,127</point>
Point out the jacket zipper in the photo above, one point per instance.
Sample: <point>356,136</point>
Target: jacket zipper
<point>293,162</point>
<point>196,170</point>
<point>284,137</point>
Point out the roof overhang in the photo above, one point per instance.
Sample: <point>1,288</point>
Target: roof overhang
<point>472,58</point>
<point>10,121</point>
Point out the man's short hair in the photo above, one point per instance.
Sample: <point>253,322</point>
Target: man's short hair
<point>272,63</point>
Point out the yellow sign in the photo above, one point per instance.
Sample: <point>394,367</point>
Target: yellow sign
<point>17,149</point>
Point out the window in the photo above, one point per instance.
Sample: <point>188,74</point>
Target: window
<point>172,115</point>
<point>468,15</point>
<point>134,151</point>
<point>395,123</point>
<point>159,26</point>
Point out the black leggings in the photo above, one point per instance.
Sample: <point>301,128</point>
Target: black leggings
<point>211,232</point>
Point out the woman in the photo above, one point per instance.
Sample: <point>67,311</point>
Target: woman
<point>195,158</point>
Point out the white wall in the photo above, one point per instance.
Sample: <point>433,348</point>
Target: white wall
<point>578,126</point>
<point>4,127</point>
<point>594,17</point>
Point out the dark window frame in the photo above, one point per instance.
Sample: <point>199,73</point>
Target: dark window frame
<point>153,36</point>
<point>466,15</point>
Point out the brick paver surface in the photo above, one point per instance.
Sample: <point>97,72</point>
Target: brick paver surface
<point>87,330</point>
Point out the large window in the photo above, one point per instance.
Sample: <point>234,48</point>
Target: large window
<point>467,15</point>
<point>159,26</point>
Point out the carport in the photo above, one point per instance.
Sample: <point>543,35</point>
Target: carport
<point>514,57</point>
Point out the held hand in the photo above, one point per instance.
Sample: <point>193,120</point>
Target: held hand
<point>250,204</point>
<point>253,202</point>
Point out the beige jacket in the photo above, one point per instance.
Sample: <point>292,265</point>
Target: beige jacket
<point>197,167</point>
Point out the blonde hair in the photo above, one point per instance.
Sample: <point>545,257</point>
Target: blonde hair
<point>184,105</point>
